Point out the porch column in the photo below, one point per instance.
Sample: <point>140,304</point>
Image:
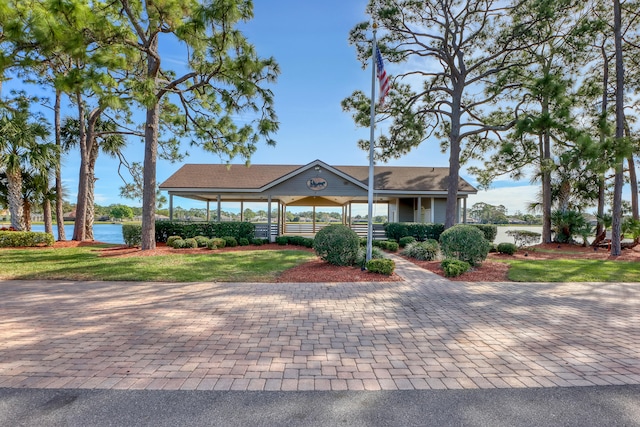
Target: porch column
<point>268,218</point>
<point>170,207</point>
<point>219,209</point>
<point>420,218</point>
<point>397,219</point>
<point>314,220</point>
<point>284,216</point>
<point>433,210</point>
<point>464,210</point>
<point>208,213</point>
<point>241,210</point>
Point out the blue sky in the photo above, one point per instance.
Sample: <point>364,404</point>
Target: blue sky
<point>309,40</point>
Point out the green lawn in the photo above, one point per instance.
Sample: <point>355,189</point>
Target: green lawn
<point>564,270</point>
<point>84,263</point>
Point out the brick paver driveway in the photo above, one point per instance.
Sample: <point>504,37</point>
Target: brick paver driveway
<point>423,333</point>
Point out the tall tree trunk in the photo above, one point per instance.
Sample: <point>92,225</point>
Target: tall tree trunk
<point>616,224</point>
<point>546,178</point>
<point>150,155</point>
<point>46,212</point>
<point>59,201</point>
<point>26,213</point>
<point>454,158</point>
<point>14,196</point>
<point>633,179</point>
<point>91,209</point>
<point>81,204</point>
<point>603,138</point>
<point>91,175</point>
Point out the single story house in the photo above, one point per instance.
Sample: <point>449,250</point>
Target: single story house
<point>412,194</point>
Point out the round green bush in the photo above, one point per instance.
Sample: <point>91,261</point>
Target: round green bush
<point>337,244</point>
<point>172,239</point>
<point>507,248</point>
<point>282,240</point>
<point>243,241</point>
<point>257,242</point>
<point>230,241</point>
<point>464,242</point>
<point>406,240</point>
<point>202,241</point>
<point>179,244</point>
<point>422,251</point>
<point>211,244</point>
<point>454,267</point>
<point>190,243</point>
<point>381,266</point>
<point>218,242</point>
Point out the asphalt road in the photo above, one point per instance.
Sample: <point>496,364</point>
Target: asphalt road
<point>574,406</point>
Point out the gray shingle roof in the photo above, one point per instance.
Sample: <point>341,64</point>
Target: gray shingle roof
<point>241,177</point>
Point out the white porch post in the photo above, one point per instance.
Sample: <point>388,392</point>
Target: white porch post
<point>433,210</point>
<point>170,207</point>
<point>420,218</point>
<point>314,220</point>
<point>208,212</point>
<point>464,210</point>
<point>268,218</point>
<point>241,210</point>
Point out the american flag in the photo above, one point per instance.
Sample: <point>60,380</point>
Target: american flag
<point>383,78</point>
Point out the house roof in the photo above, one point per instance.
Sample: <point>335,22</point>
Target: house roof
<point>259,177</point>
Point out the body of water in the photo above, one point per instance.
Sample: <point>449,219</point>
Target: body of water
<point>107,233</point>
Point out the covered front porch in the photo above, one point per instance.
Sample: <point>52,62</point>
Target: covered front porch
<point>402,194</point>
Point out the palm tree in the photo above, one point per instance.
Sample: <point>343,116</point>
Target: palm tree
<point>20,134</point>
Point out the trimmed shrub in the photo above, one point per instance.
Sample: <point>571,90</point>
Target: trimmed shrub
<point>132,234</point>
<point>165,229</point>
<point>219,242</point>
<point>282,240</point>
<point>211,244</point>
<point>172,239</point>
<point>179,244</point>
<point>454,267</point>
<point>396,230</point>
<point>243,241</point>
<point>490,231</point>
<point>422,251</point>
<point>17,239</point>
<point>464,242</point>
<point>422,232</point>
<point>190,243</point>
<point>307,242</point>
<point>337,244</point>
<point>406,240</point>
<point>257,242</point>
<point>230,241</point>
<point>381,266</point>
<point>507,248</point>
<point>202,241</point>
<point>388,245</point>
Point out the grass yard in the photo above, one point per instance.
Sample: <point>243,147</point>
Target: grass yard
<point>85,263</point>
<point>573,270</point>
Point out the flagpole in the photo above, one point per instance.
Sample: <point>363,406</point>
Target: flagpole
<point>371,147</point>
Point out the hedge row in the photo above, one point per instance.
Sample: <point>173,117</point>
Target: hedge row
<point>18,239</point>
<point>239,230</point>
<point>422,232</point>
